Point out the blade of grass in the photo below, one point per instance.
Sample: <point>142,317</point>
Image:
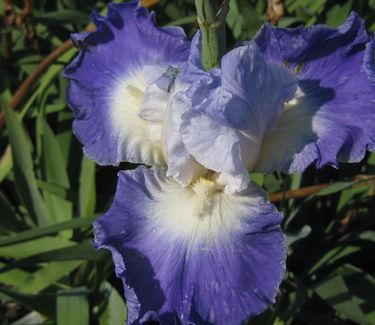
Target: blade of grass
<point>9,219</point>
<point>53,171</point>
<point>6,163</point>
<point>115,308</point>
<point>336,293</point>
<point>44,231</point>
<point>72,307</point>
<point>14,277</point>
<point>80,252</point>
<point>23,169</point>
<point>44,304</point>
<point>87,190</point>
<point>55,189</point>
<point>46,276</point>
<point>36,246</point>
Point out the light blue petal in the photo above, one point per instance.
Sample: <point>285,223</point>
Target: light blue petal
<point>231,110</point>
<point>331,118</point>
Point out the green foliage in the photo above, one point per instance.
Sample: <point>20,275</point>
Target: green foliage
<point>50,193</point>
<point>72,307</point>
<point>245,18</point>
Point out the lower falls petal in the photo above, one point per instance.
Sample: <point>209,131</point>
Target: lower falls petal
<point>192,254</point>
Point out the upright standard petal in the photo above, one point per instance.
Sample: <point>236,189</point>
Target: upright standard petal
<point>332,114</point>
<point>119,84</point>
<point>195,254</point>
<point>230,110</point>
<point>181,165</point>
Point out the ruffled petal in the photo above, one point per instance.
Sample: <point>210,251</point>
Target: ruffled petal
<point>297,45</point>
<point>331,116</point>
<point>192,254</point>
<point>120,66</point>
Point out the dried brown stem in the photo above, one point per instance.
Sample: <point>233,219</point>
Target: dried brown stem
<point>296,194</point>
<point>27,8</point>
<point>149,3</point>
<point>25,23</point>
<point>309,190</point>
<point>275,11</point>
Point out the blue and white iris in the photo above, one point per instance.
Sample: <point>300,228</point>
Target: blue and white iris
<point>193,240</point>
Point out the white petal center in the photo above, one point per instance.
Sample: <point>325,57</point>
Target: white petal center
<point>137,111</point>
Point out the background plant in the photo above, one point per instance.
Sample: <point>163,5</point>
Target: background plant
<point>50,193</point>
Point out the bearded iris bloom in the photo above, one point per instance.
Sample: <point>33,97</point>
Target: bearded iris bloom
<point>185,254</point>
<point>192,239</point>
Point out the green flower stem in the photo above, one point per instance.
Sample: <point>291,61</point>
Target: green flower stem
<point>211,19</point>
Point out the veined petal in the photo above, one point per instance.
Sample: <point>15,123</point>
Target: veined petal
<point>120,66</point>
<point>331,116</point>
<point>192,254</point>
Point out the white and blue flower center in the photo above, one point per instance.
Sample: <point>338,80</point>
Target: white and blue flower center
<point>138,108</point>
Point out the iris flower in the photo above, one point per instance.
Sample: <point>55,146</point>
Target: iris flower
<point>192,239</point>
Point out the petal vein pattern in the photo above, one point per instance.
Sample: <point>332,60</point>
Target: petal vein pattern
<point>119,84</point>
<point>192,254</point>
